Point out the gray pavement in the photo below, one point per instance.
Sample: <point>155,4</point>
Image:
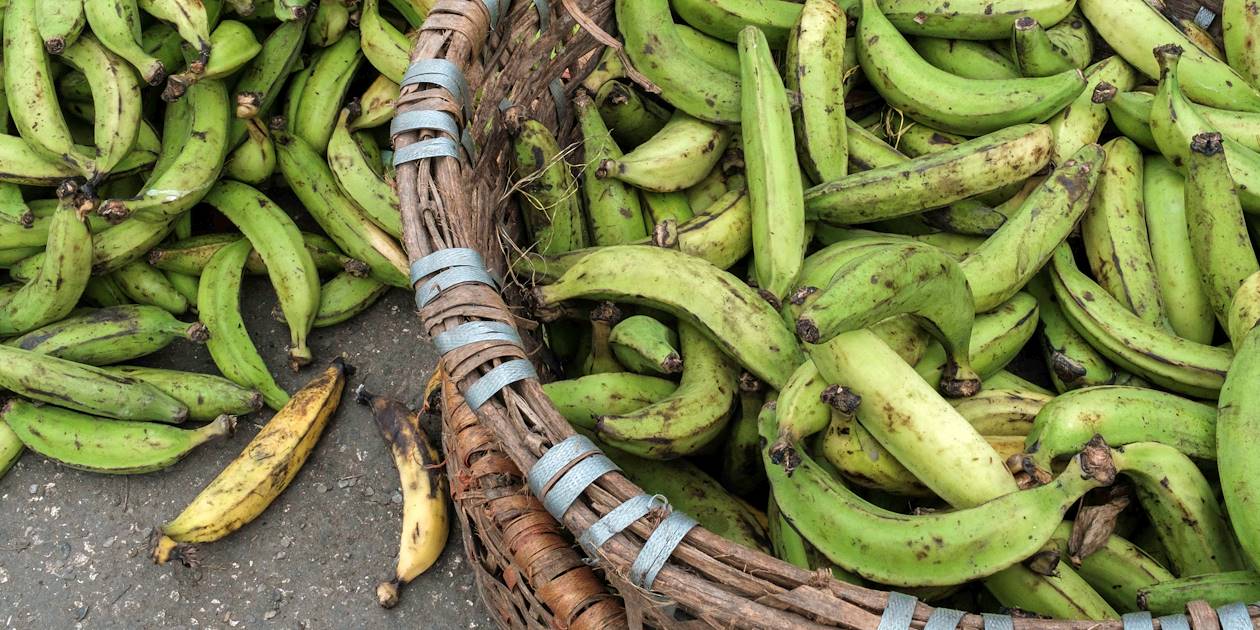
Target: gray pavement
<point>72,544</point>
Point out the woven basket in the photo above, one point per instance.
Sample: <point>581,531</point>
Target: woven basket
<point>529,571</point>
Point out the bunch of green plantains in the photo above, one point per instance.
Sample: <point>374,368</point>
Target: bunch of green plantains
<point>791,250</point>
<point>151,141</point>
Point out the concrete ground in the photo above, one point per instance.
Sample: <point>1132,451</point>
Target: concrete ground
<point>73,545</point>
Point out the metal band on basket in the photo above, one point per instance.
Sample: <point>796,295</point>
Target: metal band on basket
<point>1234,617</point>
<point>618,519</point>
<point>899,611</point>
<point>544,14</point>
<point>1174,622</point>
<point>1137,621</point>
<point>944,619</point>
<point>439,72</point>
<point>998,622</point>
<point>496,379</point>
<point>426,149</point>
<point>474,332</point>
<point>498,9</point>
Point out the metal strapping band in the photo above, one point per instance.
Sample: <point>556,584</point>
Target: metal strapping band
<point>565,491</point>
<point>1137,621</point>
<point>1234,617</point>
<point>450,278</point>
<point>1174,622</point>
<point>544,14</point>
<point>658,548</point>
<point>496,379</point>
<point>618,519</point>
<point>998,622</point>
<point>562,100</point>
<point>944,619</point>
<point>899,611</point>
<point>424,119</point>
<point>473,332</point>
<point>497,9</point>
<point>445,259</point>
<point>439,72</point>
<point>1204,17</point>
<point>555,459</point>
<point>426,149</point>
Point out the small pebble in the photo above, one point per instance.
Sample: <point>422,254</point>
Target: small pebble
<point>396,498</point>
<point>321,487</point>
<point>270,614</point>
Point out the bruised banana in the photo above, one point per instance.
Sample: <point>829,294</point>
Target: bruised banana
<point>1240,21</point>
<point>949,102</point>
<point>218,299</point>
<point>109,335</point>
<point>676,157</point>
<point>85,388</point>
<point>376,104</point>
<point>1070,360</point>
<point>934,549</point>
<point>1003,157</point>
<point>189,256</point>
<point>100,445</point>
<point>328,23</point>
<point>425,523</point>
<point>552,206</point>
<point>1185,299</point>
<point>244,489</point>
<point>970,19</point>
<point>726,309</point>
<point>115,97</point>
<point>117,24</point>
<point>63,272</point>
<point>206,396</point>
<point>644,345</point>
<point>612,207</point>
<point>278,242</point>
<point>143,284</point>
<point>815,65</point>
<point>1002,412</point>
<point>724,20</point>
<point>1082,121</point>
<point>688,419</point>
<point>582,400</point>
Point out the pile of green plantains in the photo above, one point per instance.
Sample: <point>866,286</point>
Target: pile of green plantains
<point>150,140</point>
<point>787,261</point>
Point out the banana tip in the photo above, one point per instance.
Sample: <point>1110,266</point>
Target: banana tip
<point>341,364</point>
<point>166,549</point>
<point>387,594</point>
<point>807,330</point>
<point>362,395</point>
<point>198,332</point>
<point>55,45</point>
<point>673,364</point>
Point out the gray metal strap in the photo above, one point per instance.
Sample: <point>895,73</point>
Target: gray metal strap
<point>426,149</point>
<point>998,622</point>
<point>658,548</point>
<point>473,332</point>
<point>1174,622</point>
<point>450,278</point>
<point>944,619</point>
<point>555,459</point>
<point>899,611</point>
<point>1204,17</point>
<point>1137,621</point>
<point>445,259</point>
<point>544,14</point>
<point>1234,617</point>
<point>497,9</point>
<point>618,519</point>
<point>567,490</point>
<point>438,72</point>
<point>562,100</point>
<point>496,379</point>
<point>424,119</point>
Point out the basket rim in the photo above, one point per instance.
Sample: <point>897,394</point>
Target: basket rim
<point>458,31</point>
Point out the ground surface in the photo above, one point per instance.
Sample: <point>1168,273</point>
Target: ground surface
<point>72,544</point>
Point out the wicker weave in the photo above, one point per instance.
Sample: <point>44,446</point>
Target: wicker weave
<point>529,572</point>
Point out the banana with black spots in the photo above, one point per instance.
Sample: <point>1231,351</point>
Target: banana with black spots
<point>970,19</point>
<point>109,335</point>
<point>1070,360</point>
<point>644,345</point>
<point>61,276</point>
<point>85,388</point>
<point>1185,299</point>
<point>675,158</point>
<point>206,396</point>
<point>386,48</point>
<point>59,23</point>
<point>325,89</point>
<point>612,207</point>
<point>814,66</point>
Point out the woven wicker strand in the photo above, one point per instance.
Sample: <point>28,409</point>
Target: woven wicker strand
<point>448,202</point>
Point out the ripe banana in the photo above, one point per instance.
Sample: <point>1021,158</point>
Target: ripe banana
<point>1017,251</point>
<point>1114,232</point>
<point>1002,412</point>
<point>644,345</point>
<point>950,102</point>
<point>552,205</point>
<point>632,118</point>
<point>85,388</point>
<point>1169,597</point>
<point>967,59</point>
<point>192,22</point>
<point>771,168</point>
<point>656,50</point>
<point>100,445</point>
<point>191,255</point>
<point>996,338</point>
<point>1082,121</point>
<point>815,65</point>
<point>1185,300</point>
<point>895,400</point>
<point>970,19</point>
<point>325,89</point>
<point>973,167</point>
<point>688,419</point>
<point>109,335</point>
<point>676,157</point>
<point>386,48</point>
<point>1240,20</point>
<point>313,183</point>
<point>143,284</point>
<point>28,82</point>
<point>260,83</point>
<point>425,523</point>
<point>117,24</point>
<point>57,284</point>
<point>206,396</point>
<point>278,242</point>
<point>1182,508</point>
<point>732,314</point>
<point>59,24</point>
<point>1119,570</point>
<point>1133,28</point>
<point>1218,234</point>
<point>233,352</point>
<point>583,399</point>
<point>1070,360</point>
<point>934,549</point>
<point>613,208</point>
<point>259,474</point>
<point>254,161</point>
